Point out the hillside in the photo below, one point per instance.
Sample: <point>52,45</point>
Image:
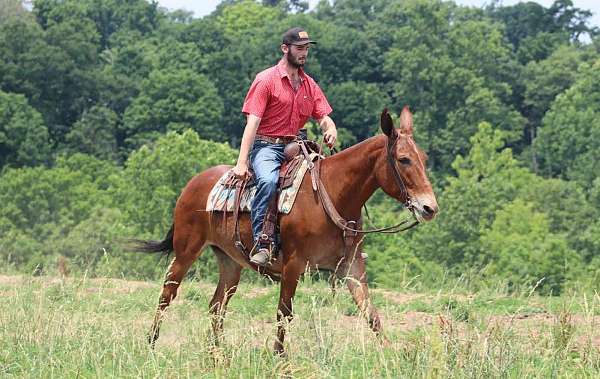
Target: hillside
<point>52,327</point>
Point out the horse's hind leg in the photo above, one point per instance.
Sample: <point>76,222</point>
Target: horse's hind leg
<point>187,249</point>
<point>229,277</point>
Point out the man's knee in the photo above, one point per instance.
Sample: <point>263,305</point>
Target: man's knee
<point>268,181</point>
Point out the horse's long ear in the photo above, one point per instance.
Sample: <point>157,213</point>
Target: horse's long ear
<point>387,125</point>
<point>406,121</point>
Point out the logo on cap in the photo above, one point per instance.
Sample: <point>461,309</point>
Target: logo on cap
<point>303,35</point>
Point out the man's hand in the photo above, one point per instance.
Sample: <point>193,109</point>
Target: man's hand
<point>330,136</point>
<point>241,171</point>
<point>329,130</point>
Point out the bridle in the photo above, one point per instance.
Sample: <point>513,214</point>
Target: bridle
<point>394,166</point>
<point>351,226</point>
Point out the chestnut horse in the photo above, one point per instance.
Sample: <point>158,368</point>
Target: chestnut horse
<point>310,239</point>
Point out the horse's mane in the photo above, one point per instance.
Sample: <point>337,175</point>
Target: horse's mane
<point>352,150</point>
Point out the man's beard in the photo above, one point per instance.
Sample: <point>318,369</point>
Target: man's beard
<point>293,60</point>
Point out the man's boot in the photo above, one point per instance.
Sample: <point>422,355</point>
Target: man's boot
<point>262,257</point>
<point>266,241</point>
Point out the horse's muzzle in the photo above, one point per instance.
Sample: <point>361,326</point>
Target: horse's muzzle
<point>425,208</point>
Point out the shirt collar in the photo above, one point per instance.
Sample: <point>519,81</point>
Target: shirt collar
<point>283,72</point>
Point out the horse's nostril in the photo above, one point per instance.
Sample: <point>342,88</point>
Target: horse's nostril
<point>428,210</point>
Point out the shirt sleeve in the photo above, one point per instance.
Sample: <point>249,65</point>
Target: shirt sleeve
<point>322,107</point>
<point>257,98</point>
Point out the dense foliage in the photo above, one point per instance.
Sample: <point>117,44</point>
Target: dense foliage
<point>107,108</point>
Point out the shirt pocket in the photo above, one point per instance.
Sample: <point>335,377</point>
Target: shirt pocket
<point>306,106</point>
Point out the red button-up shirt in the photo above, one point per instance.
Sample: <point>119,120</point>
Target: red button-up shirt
<point>282,110</point>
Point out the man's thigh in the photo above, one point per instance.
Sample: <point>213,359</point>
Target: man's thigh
<point>266,160</point>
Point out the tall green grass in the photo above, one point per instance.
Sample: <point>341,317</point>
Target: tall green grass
<point>96,328</point>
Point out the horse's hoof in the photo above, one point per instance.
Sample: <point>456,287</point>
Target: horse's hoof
<point>385,342</point>
<point>279,351</point>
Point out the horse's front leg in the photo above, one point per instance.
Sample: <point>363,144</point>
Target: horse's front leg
<point>290,274</point>
<point>353,271</point>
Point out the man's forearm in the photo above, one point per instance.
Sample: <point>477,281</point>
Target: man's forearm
<point>248,138</point>
<point>326,123</point>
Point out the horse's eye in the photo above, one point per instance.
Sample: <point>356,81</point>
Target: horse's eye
<point>404,161</point>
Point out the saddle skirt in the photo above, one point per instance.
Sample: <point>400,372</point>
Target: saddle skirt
<point>223,194</point>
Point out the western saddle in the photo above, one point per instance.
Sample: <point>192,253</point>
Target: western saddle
<point>295,153</point>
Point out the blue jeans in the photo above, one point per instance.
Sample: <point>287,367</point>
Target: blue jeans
<point>265,160</point>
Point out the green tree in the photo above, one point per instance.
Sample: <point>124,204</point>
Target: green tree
<point>525,22</point>
<point>12,8</point>
<point>37,197</point>
<point>572,20</point>
<point>522,250</point>
<point>522,20</point>
<point>480,106</point>
<point>462,69</point>
<point>41,206</point>
<point>540,46</point>
<point>48,75</point>
<point>488,178</point>
<point>571,212</point>
<point>23,136</point>
<point>155,174</point>
<point>357,106</point>
<point>173,100</point>
<point>95,134</point>
<point>289,5</point>
<point>109,16</point>
<point>544,80</point>
<point>567,141</point>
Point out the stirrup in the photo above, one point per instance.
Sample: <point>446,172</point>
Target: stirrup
<point>262,257</point>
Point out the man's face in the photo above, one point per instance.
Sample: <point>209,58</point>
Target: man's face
<point>296,54</point>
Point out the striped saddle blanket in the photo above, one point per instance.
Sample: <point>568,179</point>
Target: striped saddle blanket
<point>222,196</point>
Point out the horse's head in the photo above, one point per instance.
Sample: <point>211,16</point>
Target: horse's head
<point>403,175</point>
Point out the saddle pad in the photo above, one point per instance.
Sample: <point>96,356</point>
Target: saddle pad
<point>223,199</point>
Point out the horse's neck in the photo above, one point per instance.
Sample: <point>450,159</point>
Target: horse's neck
<point>349,176</point>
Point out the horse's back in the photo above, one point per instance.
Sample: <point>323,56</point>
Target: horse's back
<point>195,193</point>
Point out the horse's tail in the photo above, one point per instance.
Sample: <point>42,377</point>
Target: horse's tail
<point>165,246</point>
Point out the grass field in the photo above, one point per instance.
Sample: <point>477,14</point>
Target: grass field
<point>96,328</point>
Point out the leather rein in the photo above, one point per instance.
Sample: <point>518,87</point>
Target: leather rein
<point>353,227</point>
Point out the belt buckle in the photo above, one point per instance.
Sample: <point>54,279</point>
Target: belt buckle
<point>279,140</point>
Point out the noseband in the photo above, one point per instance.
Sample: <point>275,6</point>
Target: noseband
<point>392,161</point>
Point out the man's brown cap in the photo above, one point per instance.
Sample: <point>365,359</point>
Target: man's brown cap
<point>296,36</point>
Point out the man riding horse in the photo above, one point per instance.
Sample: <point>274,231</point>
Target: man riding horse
<point>322,230</point>
<point>279,102</point>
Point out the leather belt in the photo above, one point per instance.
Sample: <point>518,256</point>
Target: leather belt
<point>277,140</point>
